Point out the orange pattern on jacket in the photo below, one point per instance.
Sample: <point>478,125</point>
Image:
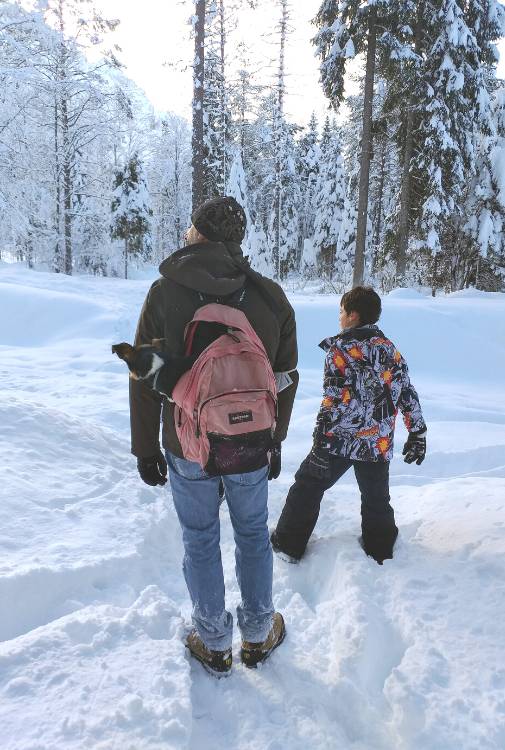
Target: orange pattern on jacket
<point>355,352</point>
<point>339,360</point>
<point>387,376</point>
<point>383,445</point>
<point>370,432</point>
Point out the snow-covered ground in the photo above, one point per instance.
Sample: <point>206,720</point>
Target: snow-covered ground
<point>93,607</point>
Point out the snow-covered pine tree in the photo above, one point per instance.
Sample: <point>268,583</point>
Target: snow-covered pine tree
<point>329,199</point>
<point>401,56</point>
<point>346,28</point>
<point>130,210</point>
<point>197,144</point>
<point>215,102</point>
<point>309,160</point>
<point>383,177</point>
<point>61,116</point>
<point>289,248</point>
<point>484,227</point>
<point>25,201</point>
<point>283,225</point>
<point>244,96</point>
<point>254,243</point>
<point>346,241</point>
<point>284,222</point>
<point>76,87</point>
<point>169,177</point>
<point>457,111</point>
<point>278,133</point>
<point>258,166</point>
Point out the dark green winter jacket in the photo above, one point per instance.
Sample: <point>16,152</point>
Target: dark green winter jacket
<point>208,268</point>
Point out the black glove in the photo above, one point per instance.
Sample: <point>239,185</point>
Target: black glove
<point>275,461</point>
<point>153,470</point>
<point>319,462</point>
<point>415,448</point>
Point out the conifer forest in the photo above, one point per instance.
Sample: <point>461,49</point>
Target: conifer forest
<point>401,183</point>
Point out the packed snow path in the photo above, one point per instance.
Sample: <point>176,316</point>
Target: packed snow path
<point>93,607</point>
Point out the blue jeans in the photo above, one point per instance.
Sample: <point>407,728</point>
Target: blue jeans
<point>196,500</point>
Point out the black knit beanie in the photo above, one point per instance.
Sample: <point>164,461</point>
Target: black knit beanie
<point>220,220</point>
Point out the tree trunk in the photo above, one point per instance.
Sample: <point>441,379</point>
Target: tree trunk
<point>57,263</point>
<point>279,142</point>
<point>198,90</point>
<point>277,206</point>
<point>29,247</point>
<point>380,197</point>
<point>434,282</point>
<point>64,161</point>
<point>67,189</point>
<point>403,228</point>
<point>366,152</point>
<point>126,257</point>
<point>222,96</point>
<point>177,169</point>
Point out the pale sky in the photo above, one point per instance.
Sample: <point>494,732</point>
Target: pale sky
<point>154,33</point>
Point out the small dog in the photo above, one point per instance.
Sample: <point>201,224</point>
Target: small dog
<point>144,360</point>
<point>150,363</point>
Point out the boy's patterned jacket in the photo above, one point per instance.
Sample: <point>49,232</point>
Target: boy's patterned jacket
<point>366,381</point>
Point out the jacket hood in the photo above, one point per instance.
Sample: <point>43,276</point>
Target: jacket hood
<point>208,267</point>
<point>360,333</point>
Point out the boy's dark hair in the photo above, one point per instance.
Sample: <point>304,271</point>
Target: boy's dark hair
<point>365,301</point>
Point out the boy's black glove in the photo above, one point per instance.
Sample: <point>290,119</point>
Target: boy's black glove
<point>153,470</point>
<point>319,461</point>
<point>275,461</point>
<point>415,448</point>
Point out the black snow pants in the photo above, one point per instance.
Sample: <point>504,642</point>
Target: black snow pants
<point>301,510</point>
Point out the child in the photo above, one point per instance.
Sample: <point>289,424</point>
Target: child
<point>366,381</point>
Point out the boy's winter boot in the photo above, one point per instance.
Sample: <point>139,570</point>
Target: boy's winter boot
<point>379,545</point>
<point>253,654</point>
<point>283,554</point>
<point>217,663</point>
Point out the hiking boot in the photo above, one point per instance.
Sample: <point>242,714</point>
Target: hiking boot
<point>253,654</point>
<point>217,663</point>
<point>281,553</point>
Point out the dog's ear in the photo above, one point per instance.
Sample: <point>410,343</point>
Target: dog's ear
<point>123,351</point>
<point>158,343</point>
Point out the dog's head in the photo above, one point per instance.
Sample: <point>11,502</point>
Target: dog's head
<point>143,360</point>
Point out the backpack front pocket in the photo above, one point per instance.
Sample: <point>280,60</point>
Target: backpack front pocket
<point>239,431</point>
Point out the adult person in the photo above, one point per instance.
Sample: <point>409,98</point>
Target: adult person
<point>211,268</point>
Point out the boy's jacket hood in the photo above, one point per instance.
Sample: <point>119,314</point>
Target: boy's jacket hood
<point>361,333</point>
<point>208,267</point>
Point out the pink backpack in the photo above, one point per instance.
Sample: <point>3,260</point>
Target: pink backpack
<point>226,405</point>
